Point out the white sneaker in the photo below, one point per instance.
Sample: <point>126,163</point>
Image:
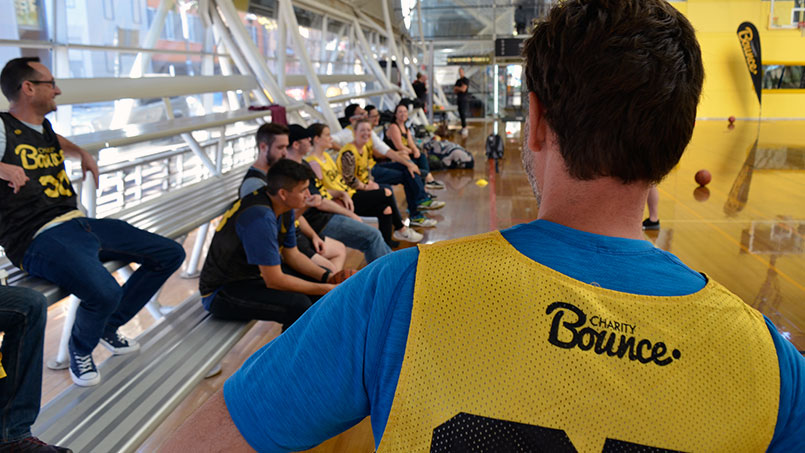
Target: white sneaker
<point>465,132</point>
<point>409,235</point>
<point>422,221</point>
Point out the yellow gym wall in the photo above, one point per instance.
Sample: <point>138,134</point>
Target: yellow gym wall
<point>728,88</point>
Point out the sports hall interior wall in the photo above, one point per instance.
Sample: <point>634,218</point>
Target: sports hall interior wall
<point>728,88</point>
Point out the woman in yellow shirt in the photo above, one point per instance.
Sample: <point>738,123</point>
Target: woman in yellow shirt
<point>368,198</point>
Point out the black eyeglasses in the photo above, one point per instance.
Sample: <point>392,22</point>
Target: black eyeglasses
<point>50,82</point>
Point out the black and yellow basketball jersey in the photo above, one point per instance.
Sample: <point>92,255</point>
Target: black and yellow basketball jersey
<point>226,260</point>
<point>48,193</point>
<point>504,354</point>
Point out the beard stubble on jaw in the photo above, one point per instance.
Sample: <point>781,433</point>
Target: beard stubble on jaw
<point>527,157</point>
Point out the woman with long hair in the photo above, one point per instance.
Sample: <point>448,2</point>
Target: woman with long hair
<point>399,138</point>
<point>368,199</point>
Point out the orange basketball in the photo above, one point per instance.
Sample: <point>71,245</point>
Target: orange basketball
<point>703,177</point>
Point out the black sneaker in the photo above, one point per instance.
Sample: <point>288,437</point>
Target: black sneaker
<point>436,185</point>
<point>648,224</point>
<point>32,445</point>
<point>83,370</point>
<point>119,344</point>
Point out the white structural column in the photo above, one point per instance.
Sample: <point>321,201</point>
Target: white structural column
<point>366,55</point>
<point>405,81</point>
<point>194,145</point>
<point>144,58</point>
<point>250,52</point>
<point>123,107</point>
<point>282,48</point>
<point>208,67</point>
<point>323,45</point>
<point>431,83</point>
<point>226,44</point>
<point>286,12</point>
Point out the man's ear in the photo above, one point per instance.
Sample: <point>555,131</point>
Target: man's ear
<point>26,88</point>
<point>537,127</point>
<point>282,194</point>
<point>262,148</point>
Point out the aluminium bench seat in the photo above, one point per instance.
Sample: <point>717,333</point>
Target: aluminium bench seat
<point>139,390</point>
<point>171,215</point>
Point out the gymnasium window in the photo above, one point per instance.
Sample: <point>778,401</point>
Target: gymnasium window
<point>783,76</point>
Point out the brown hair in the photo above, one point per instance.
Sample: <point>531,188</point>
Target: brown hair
<point>619,82</point>
<point>267,132</point>
<point>317,129</point>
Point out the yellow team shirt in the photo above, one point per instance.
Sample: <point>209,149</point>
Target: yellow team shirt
<point>330,175</point>
<point>503,352</point>
<point>363,161</point>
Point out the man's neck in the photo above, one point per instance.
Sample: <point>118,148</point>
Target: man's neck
<point>294,156</point>
<point>261,165</point>
<point>603,206</point>
<point>25,114</point>
<point>278,206</point>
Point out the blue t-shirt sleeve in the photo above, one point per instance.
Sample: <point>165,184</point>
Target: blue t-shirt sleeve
<point>257,229</point>
<point>310,383</point>
<point>789,434</point>
<point>290,238</point>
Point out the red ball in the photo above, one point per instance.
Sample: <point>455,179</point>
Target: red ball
<point>731,119</point>
<point>701,193</point>
<point>703,177</point>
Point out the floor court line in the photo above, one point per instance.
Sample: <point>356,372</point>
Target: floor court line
<point>731,239</point>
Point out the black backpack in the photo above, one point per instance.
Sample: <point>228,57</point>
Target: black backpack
<point>494,147</point>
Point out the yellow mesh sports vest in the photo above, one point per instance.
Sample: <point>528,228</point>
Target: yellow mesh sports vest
<point>330,174</point>
<point>363,162</point>
<point>505,354</point>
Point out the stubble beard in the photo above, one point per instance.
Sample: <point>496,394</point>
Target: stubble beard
<point>527,156</point>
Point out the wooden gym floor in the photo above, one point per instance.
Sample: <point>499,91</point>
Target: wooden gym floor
<point>745,230</point>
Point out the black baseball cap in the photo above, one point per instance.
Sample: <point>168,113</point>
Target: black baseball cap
<point>297,132</point>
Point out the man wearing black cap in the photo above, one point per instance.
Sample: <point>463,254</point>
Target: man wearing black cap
<point>328,218</point>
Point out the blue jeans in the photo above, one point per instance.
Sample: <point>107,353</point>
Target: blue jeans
<point>23,313</point>
<point>71,255</point>
<point>396,173</point>
<point>357,235</point>
<point>422,163</point>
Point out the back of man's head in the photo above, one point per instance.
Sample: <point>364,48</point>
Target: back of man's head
<point>618,82</point>
<point>287,174</point>
<point>349,111</point>
<point>14,73</point>
<point>267,132</point>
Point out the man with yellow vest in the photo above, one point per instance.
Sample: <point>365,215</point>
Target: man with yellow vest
<point>569,333</point>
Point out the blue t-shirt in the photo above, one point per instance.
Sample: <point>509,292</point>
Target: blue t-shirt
<point>258,230</point>
<point>342,359</point>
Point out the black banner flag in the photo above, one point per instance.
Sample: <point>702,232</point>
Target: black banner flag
<point>750,46</point>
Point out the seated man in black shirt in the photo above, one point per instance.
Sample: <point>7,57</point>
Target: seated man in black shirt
<point>243,277</point>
